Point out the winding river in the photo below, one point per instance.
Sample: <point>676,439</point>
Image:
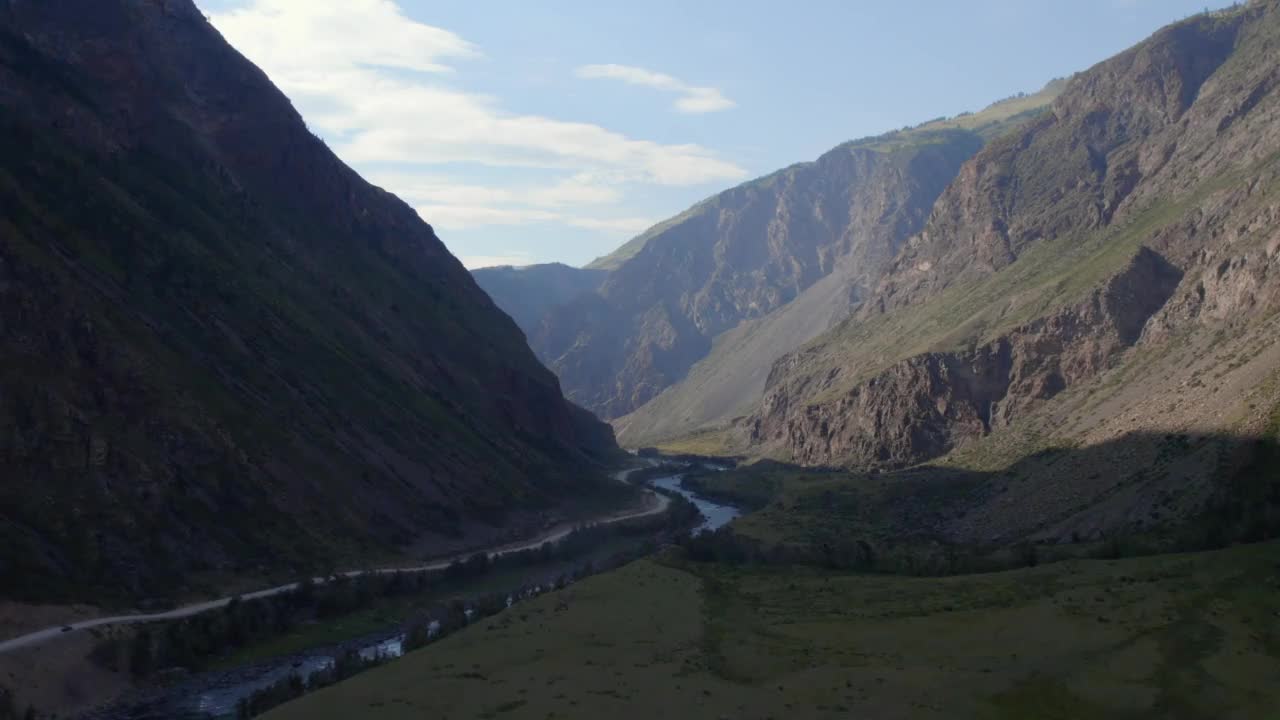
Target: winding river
<point>217,697</point>
<point>715,515</point>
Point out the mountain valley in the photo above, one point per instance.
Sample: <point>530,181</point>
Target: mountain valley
<point>978,417</point>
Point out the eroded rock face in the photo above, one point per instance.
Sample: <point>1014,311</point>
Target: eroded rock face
<point>923,406</point>
<point>1170,144</point>
<point>738,256</point>
<point>1234,277</point>
<point>1109,137</point>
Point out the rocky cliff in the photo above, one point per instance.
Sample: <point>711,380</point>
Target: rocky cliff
<point>924,405</point>
<point>740,255</point>
<point>220,348</point>
<point>1135,213</point>
<point>730,379</point>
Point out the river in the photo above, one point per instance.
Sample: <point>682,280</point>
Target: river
<point>214,696</point>
<point>715,515</point>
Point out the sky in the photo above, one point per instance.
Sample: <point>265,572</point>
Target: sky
<point>556,130</point>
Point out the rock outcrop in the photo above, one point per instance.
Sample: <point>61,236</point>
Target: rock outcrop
<point>740,255</point>
<point>1103,148</point>
<point>1140,210</point>
<point>925,405</point>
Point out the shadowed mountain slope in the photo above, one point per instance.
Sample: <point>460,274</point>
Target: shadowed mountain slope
<point>222,350</point>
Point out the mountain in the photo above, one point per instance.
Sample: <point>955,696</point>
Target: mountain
<point>222,350</point>
<point>1109,268</point>
<point>750,250</point>
<point>731,378</point>
<point>528,293</point>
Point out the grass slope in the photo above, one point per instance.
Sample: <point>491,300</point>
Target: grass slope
<point>1187,636</point>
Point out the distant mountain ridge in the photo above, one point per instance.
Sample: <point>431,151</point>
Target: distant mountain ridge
<point>529,292</point>
<point>748,251</point>
<point>222,349</point>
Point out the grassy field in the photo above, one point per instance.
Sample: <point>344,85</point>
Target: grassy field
<point>1176,636</point>
<point>708,443</point>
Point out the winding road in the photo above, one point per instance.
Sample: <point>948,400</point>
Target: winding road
<point>657,504</point>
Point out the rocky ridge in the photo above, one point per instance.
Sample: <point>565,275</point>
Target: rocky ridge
<point>1163,156</point>
<point>741,255</point>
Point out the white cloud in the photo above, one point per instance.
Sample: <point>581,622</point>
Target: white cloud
<point>305,40</point>
<point>579,189</point>
<point>693,99</point>
<point>574,201</point>
<point>369,78</point>
<point>627,226</point>
<point>383,91</point>
<point>462,217</point>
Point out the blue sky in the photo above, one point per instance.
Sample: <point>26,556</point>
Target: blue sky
<point>556,130</point>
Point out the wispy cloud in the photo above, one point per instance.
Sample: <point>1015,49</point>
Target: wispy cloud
<point>370,79</point>
<point>384,90</point>
<point>580,189</point>
<point>465,217</point>
<point>582,200</point>
<point>693,99</point>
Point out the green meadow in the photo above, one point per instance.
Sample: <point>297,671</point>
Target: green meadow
<point>1171,636</point>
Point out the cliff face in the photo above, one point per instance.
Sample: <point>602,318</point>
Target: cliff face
<point>1137,211</point>
<point>221,348</point>
<point>1104,147</point>
<point>924,405</point>
<point>739,256</point>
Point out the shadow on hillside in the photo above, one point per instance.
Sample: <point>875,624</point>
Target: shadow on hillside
<point>1138,494</point>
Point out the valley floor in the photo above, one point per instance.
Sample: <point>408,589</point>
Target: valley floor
<point>45,651</point>
<point>1185,636</point>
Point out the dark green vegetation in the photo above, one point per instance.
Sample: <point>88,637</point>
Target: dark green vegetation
<point>528,293</point>
<point>224,352</point>
<point>316,615</point>
<point>9,708</point>
<point>917,521</point>
<point>426,607</point>
<point>346,665</point>
<point>1188,636</point>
